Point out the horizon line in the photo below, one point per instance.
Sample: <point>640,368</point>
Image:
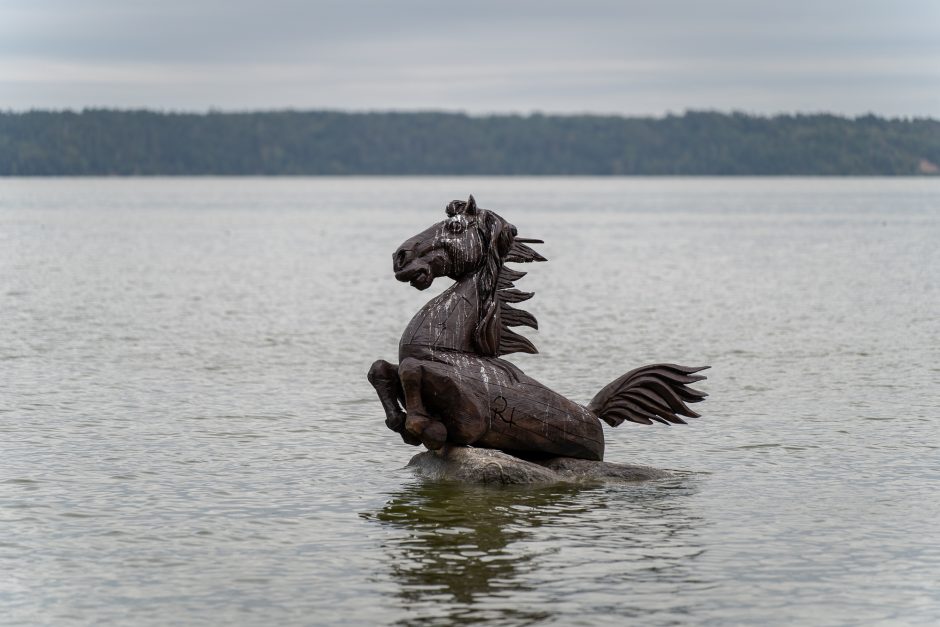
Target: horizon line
<point>212,110</point>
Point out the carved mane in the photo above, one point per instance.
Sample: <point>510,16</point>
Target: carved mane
<point>506,293</point>
<point>497,290</point>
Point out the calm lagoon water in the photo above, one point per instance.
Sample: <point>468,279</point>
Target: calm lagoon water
<point>187,435</point>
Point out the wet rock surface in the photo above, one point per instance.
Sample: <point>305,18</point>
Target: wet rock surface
<point>467,464</point>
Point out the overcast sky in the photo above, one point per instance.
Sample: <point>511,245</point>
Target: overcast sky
<point>598,56</point>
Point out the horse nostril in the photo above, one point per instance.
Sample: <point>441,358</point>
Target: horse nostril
<point>400,259</point>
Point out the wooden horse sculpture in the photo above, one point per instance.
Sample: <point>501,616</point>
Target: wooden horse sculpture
<point>450,379</point>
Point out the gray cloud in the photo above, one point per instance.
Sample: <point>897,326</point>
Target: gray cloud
<point>597,56</point>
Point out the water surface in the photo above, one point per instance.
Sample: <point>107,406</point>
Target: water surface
<point>187,434</point>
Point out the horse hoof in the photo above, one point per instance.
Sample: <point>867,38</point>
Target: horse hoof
<point>396,423</point>
<point>407,438</point>
<point>434,436</point>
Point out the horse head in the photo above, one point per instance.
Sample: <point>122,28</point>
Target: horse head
<point>468,241</point>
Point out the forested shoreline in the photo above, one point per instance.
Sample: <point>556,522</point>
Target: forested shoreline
<point>143,142</point>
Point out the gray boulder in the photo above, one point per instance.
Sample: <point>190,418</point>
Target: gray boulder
<point>467,464</point>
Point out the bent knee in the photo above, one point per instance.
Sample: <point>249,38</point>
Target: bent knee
<point>409,366</point>
<point>380,370</point>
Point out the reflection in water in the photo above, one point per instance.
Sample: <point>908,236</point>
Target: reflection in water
<point>456,552</point>
<point>481,553</point>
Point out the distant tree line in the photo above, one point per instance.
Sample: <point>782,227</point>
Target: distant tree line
<point>117,142</point>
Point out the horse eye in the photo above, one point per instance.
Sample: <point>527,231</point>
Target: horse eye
<point>456,226</point>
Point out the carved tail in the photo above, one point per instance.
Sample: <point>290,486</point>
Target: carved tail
<point>656,392</point>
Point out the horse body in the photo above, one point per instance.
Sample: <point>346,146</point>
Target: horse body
<point>453,384</point>
<point>488,401</point>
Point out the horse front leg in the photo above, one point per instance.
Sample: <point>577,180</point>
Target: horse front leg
<point>441,405</point>
<point>384,378</point>
<point>432,433</point>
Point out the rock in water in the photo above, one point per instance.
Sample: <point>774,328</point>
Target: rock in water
<point>466,464</point>
<point>480,465</point>
<point>574,469</point>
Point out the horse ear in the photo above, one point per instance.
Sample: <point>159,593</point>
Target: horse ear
<point>471,209</point>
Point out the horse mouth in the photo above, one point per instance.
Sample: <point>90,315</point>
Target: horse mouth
<point>419,278</point>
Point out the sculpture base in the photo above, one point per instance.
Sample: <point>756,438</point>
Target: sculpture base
<point>466,464</point>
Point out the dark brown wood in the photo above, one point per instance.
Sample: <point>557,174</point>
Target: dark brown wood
<point>451,385</point>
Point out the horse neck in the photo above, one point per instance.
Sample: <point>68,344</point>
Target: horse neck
<point>446,322</point>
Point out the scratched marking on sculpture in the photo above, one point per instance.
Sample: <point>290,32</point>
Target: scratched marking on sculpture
<point>450,354</point>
